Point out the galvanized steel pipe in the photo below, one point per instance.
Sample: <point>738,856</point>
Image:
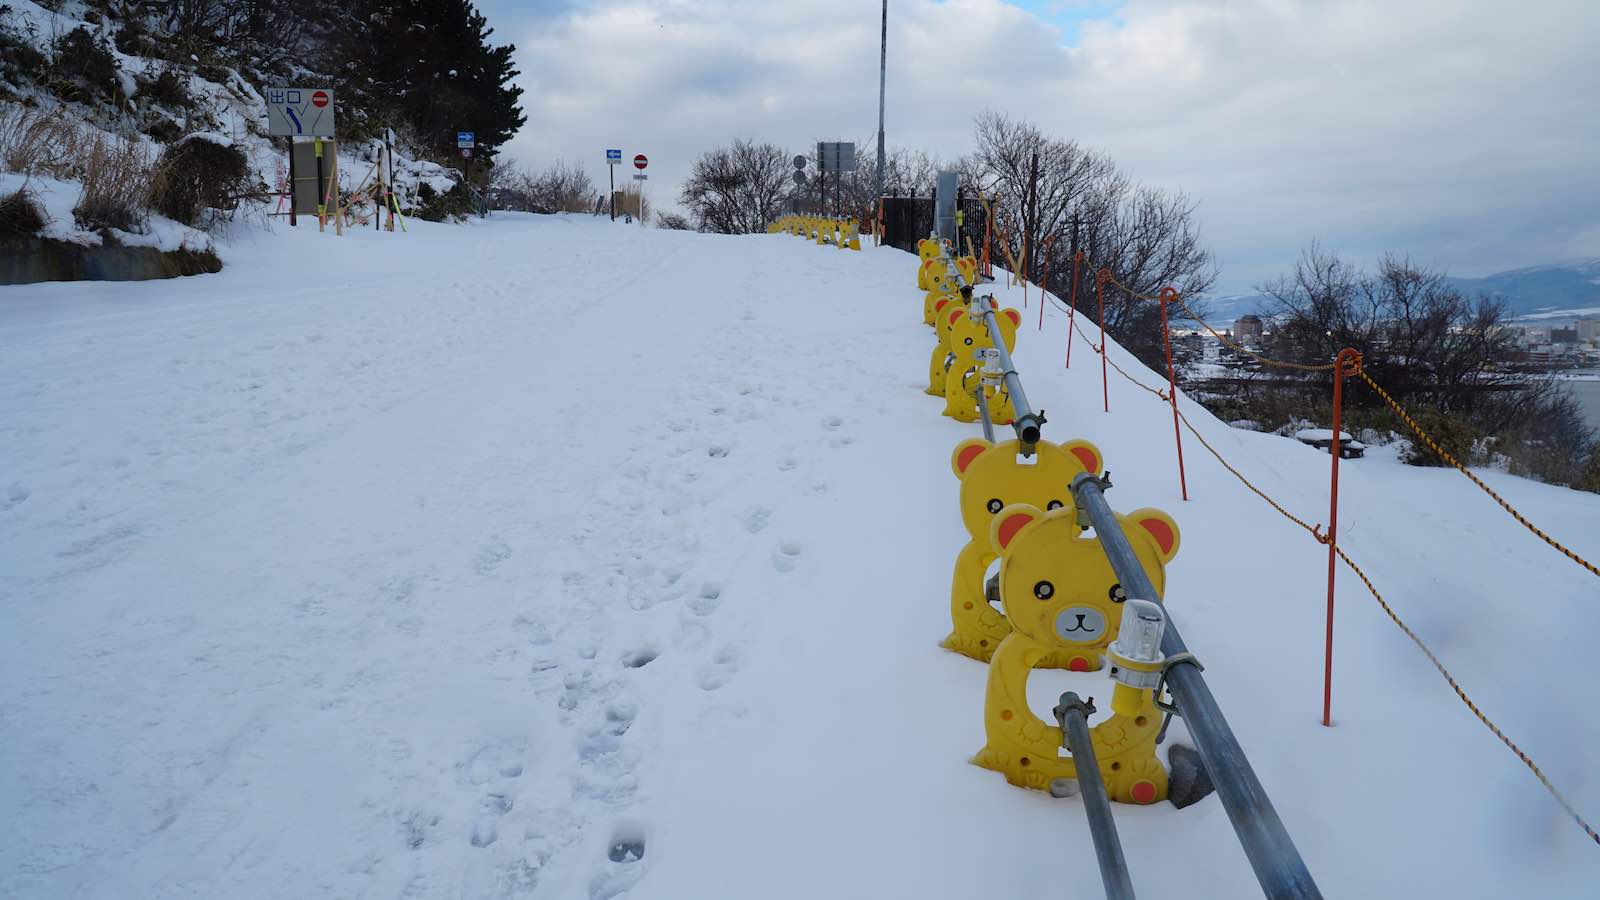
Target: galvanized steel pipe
<point>1027,422</point>
<point>1272,854</point>
<point>1072,713</point>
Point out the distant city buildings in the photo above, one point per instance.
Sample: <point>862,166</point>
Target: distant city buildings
<point>1574,346</point>
<point>1248,330</point>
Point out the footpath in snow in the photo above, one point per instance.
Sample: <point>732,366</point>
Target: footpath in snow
<point>550,558</point>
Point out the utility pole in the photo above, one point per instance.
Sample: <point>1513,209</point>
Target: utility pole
<point>883,70</point>
<point>1030,216</point>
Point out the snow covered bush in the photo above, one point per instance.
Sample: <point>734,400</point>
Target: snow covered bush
<point>200,176</point>
<point>1451,431</point>
<point>83,68</point>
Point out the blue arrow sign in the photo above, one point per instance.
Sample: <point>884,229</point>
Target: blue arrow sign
<point>466,139</point>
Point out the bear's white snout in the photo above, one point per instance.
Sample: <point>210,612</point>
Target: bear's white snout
<point>1080,624</point>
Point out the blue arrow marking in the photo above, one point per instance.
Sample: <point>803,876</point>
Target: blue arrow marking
<point>289,111</point>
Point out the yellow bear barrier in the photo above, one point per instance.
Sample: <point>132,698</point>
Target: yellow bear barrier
<point>1061,596</point>
<point>948,311</point>
<point>928,250</point>
<point>842,233</point>
<point>992,477</point>
<point>963,368</point>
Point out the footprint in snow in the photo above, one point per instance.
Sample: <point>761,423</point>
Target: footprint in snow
<point>725,663</point>
<point>787,556</point>
<point>755,519</point>
<point>707,600</point>
<point>491,555</point>
<point>640,657</point>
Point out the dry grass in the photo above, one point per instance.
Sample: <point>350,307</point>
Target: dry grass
<point>40,142</point>
<point>629,202</point>
<point>116,185</point>
<point>20,215</point>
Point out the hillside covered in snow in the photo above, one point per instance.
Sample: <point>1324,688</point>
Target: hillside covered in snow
<point>550,558</point>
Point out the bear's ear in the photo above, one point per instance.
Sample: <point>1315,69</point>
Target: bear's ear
<point>1085,453</point>
<point>954,315</point>
<point>941,303</point>
<point>1158,527</point>
<point>966,452</point>
<point>1013,315</point>
<point>1010,522</point>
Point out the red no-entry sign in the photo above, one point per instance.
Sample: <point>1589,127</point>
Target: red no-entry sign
<point>319,99</point>
<point>640,161</point>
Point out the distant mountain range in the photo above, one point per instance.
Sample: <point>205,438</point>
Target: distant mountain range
<point>1538,293</point>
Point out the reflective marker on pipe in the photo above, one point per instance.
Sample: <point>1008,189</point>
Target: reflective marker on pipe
<point>1272,854</point>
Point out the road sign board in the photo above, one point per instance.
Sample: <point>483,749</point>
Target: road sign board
<point>640,161</point>
<point>836,156</point>
<point>466,152</point>
<point>800,162</point>
<point>799,177</point>
<point>613,157</point>
<point>640,176</point>
<point>305,112</point>
<point>466,139</point>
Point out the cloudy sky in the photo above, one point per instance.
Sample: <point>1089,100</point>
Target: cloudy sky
<point>1465,133</point>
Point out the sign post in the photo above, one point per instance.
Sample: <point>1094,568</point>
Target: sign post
<point>300,112</point>
<point>639,162</point>
<point>837,157</point>
<point>613,159</point>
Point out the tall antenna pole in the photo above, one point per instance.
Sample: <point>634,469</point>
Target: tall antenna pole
<point>883,68</point>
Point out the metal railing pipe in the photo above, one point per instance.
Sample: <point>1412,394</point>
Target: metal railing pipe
<point>1027,421</point>
<point>1073,714</point>
<point>983,412</point>
<point>1271,852</point>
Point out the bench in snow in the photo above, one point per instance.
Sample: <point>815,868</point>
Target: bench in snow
<point>1322,439</point>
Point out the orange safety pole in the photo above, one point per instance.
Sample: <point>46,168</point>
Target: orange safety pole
<point>1347,363</point>
<point>1099,295</point>
<point>1072,310</point>
<point>1044,285</point>
<point>1167,295</point>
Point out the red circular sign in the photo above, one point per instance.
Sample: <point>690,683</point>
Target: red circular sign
<point>319,99</point>
<point>640,161</point>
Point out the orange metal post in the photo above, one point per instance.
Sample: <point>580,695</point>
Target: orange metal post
<point>1168,295</point>
<point>1072,305</point>
<point>1347,363</point>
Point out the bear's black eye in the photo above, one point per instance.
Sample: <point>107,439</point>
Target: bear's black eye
<point>1044,590</point>
<point>1054,504</point>
<point>995,505</point>
<point>1117,594</point>
<point>968,342</point>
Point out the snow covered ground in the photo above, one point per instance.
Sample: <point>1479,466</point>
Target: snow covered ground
<point>550,558</point>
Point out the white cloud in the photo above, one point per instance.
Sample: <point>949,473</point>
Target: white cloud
<point>1464,133</point>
